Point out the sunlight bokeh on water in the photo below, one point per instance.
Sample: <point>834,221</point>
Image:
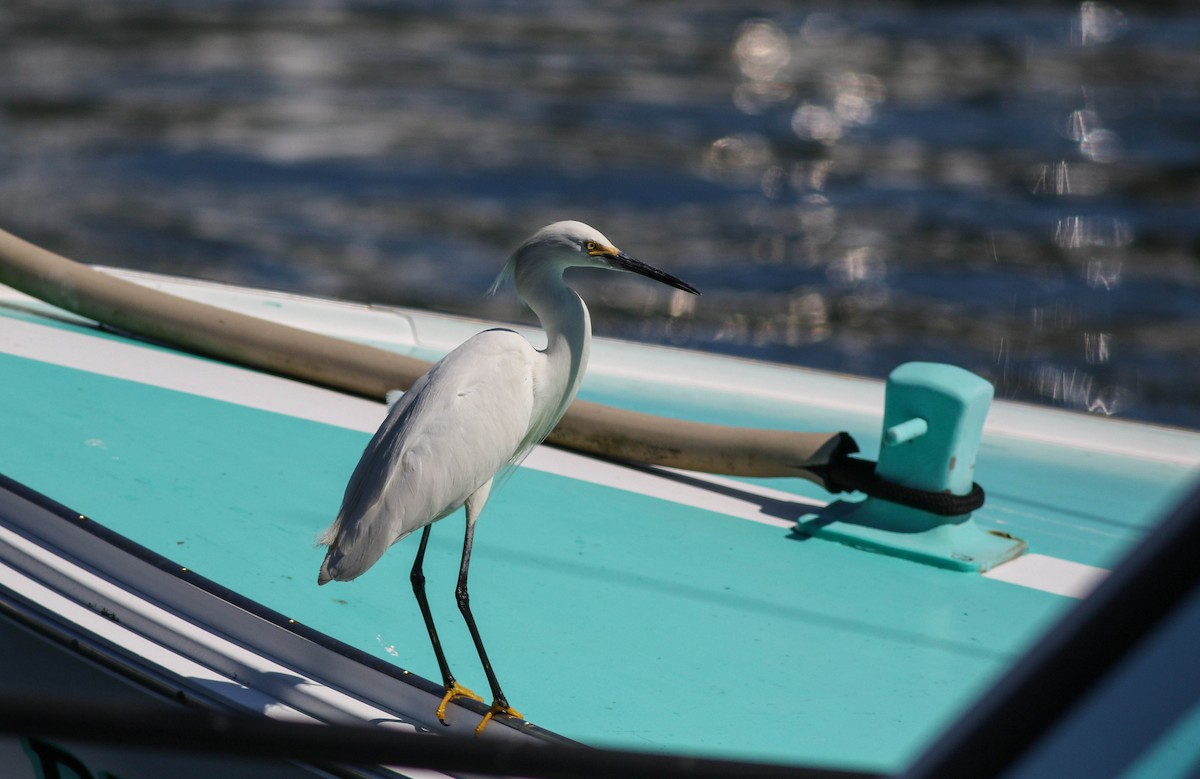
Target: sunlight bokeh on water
<point>1011,188</point>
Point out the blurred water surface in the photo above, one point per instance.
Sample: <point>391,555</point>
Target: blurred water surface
<point>1009,187</point>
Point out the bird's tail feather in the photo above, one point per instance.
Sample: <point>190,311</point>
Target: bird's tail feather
<point>327,538</point>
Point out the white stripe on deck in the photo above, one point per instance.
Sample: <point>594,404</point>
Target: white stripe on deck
<point>1050,574</point>
<point>184,373</point>
<point>219,381</point>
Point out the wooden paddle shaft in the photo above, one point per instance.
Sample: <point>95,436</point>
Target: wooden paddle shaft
<point>367,371</point>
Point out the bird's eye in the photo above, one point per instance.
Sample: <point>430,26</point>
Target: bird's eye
<point>591,247</point>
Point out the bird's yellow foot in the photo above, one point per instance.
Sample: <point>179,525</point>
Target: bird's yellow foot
<point>454,690</point>
<point>497,708</point>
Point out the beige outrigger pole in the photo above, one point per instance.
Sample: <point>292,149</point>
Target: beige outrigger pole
<point>587,427</point>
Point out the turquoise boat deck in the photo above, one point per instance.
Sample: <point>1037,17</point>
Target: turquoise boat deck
<point>621,606</point>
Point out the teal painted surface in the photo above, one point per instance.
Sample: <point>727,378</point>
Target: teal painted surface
<point>611,617</point>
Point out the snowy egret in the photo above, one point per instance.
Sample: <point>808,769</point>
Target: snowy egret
<point>481,409</point>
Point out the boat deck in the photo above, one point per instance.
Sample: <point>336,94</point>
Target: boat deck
<point>627,606</point>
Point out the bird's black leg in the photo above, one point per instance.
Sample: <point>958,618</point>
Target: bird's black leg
<point>499,702</point>
<point>417,577</point>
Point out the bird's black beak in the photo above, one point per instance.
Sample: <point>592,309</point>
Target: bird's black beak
<point>623,261</point>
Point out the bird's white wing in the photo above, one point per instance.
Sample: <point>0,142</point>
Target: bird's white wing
<point>450,433</point>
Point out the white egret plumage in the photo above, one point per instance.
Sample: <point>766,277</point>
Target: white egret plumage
<point>474,413</point>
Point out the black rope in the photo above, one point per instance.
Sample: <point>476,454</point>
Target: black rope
<point>847,474</point>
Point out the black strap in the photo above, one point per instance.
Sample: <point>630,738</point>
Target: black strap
<point>846,474</point>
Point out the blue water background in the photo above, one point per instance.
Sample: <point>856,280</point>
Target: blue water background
<point>1011,187</point>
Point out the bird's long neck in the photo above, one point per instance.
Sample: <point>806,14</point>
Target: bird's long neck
<point>568,332</point>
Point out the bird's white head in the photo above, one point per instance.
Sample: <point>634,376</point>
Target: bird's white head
<point>574,244</point>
